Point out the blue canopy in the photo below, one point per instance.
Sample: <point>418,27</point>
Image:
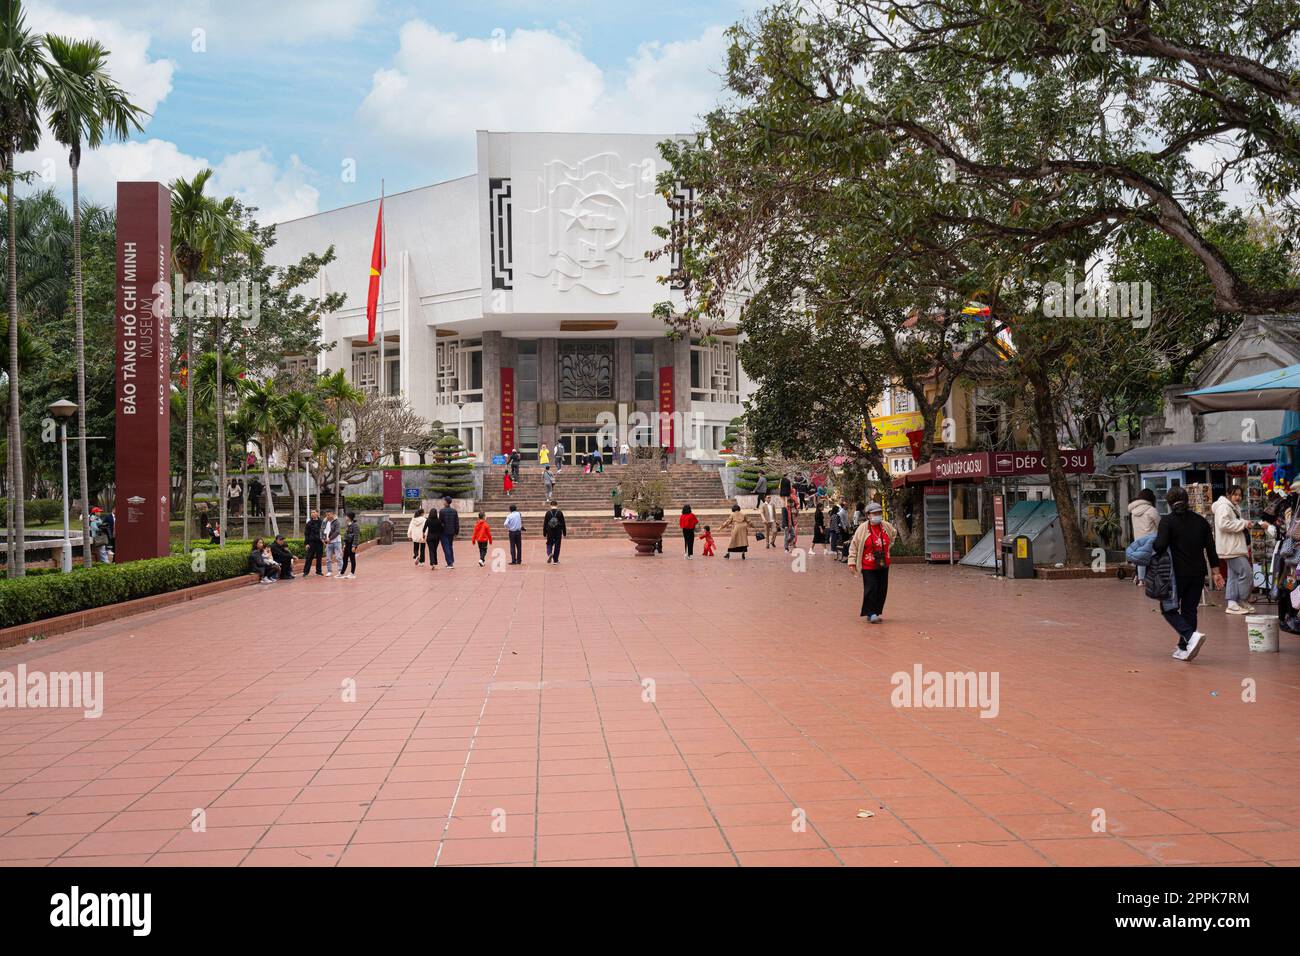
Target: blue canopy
<point>1276,390</point>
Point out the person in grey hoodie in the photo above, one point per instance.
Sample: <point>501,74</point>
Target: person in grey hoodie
<point>329,534</point>
<point>1142,512</point>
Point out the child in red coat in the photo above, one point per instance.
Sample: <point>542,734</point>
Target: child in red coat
<point>482,535</point>
<point>707,538</point>
<point>509,485</point>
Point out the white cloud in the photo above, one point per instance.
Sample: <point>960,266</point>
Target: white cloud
<point>440,87</point>
<point>253,178</point>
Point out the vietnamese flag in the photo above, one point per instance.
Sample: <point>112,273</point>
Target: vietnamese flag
<point>378,260</point>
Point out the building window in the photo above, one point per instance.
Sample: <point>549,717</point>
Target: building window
<point>643,369</point>
<point>296,365</point>
<point>460,372</point>
<point>586,370</point>
<point>527,370</point>
<point>903,401</point>
<point>989,432</point>
<point>715,373</point>
<point>365,371</point>
<point>528,441</point>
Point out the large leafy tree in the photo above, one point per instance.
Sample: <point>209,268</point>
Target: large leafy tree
<point>82,113</point>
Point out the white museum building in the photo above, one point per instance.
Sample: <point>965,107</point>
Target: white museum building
<point>518,301</point>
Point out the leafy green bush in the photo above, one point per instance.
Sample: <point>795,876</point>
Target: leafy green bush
<point>36,510</point>
<point>363,502</point>
<point>748,477</point>
<point>452,472</point>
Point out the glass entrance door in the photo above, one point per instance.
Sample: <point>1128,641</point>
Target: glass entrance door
<point>579,445</point>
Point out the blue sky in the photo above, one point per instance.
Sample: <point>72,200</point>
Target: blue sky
<point>278,95</point>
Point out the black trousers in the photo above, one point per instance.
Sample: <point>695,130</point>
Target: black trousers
<point>417,551</point>
<point>315,551</point>
<point>875,588</point>
<point>482,551</point>
<point>1183,618</point>
<point>516,547</point>
<point>286,569</point>
<point>349,556</point>
<point>688,535</point>
<point>433,549</point>
<point>553,543</point>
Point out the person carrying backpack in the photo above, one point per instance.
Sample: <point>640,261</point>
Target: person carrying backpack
<point>556,531</point>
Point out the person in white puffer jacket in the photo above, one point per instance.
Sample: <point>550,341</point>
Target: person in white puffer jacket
<point>415,531</point>
<point>1145,517</point>
<point>1232,542</point>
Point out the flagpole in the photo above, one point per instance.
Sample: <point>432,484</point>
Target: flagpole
<point>383,268</point>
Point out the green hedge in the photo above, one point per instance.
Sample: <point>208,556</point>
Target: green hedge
<point>363,502</point>
<point>748,477</point>
<point>36,511</point>
<point>39,596</point>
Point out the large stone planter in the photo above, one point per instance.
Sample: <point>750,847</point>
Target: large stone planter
<point>645,534</point>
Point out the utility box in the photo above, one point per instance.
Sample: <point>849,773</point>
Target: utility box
<point>1018,556</point>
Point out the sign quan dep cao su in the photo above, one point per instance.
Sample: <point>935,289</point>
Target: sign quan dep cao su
<point>143,387</point>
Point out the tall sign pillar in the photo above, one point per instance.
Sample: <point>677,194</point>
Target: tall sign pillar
<point>143,390</point>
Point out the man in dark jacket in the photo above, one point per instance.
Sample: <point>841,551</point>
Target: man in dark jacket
<point>556,531</point>
<point>449,518</point>
<point>1189,539</point>
<point>315,548</point>
<point>282,556</point>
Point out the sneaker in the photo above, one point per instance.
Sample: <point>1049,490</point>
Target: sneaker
<point>329,574</point>
<point>1194,644</point>
<point>1235,608</point>
<point>873,618</point>
<point>480,564</point>
<point>1180,653</point>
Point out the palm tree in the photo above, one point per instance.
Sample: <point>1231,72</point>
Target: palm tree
<point>30,351</point>
<point>299,415</point>
<point>264,407</point>
<point>241,433</point>
<point>24,72</point>
<point>79,112</point>
<point>203,228</point>
<point>325,440</point>
<point>340,397</point>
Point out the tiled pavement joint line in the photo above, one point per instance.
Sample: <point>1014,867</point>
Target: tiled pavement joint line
<point>460,783</point>
<point>541,697</point>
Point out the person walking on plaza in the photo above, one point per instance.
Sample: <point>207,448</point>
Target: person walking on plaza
<point>616,497</point>
<point>687,522</point>
<point>1189,540</point>
<point>449,519</point>
<point>433,535</point>
<point>312,544</point>
<point>790,519</point>
<point>556,531</point>
<point>508,483</point>
<point>707,538</point>
<point>1286,554</point>
<point>1142,512</point>
<point>623,452</point>
<point>351,541</point>
<point>819,530</point>
<point>482,537</point>
<point>548,482</point>
<point>282,556</point>
<point>760,487</point>
<point>544,456</point>
<point>330,535</point>
<point>1232,542</point>
<point>767,514</point>
<point>514,465</point>
<point>835,530</point>
<point>559,456</point>
<point>739,529</point>
<point>515,530</point>
<point>415,533</point>
<point>869,552</point>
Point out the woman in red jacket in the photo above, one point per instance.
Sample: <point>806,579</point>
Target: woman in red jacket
<point>687,523</point>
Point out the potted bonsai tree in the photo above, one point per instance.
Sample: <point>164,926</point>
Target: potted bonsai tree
<point>645,492</point>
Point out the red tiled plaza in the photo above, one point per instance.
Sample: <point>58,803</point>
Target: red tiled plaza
<point>501,718</point>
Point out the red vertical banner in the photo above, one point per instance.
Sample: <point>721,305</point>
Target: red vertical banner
<point>143,381</point>
<point>666,437</point>
<point>507,410</point>
<point>392,486</point>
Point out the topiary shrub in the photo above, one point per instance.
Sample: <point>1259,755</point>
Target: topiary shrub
<point>452,471</point>
<point>748,477</point>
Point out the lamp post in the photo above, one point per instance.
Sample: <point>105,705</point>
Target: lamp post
<point>460,419</point>
<point>63,410</point>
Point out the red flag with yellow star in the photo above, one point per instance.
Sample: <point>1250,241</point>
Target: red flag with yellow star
<point>378,259</point>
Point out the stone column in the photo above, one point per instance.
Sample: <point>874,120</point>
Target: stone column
<point>682,395</point>
<point>548,357</point>
<point>492,342</point>
<point>624,386</point>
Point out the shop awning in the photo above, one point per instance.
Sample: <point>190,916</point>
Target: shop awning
<point>1279,390</point>
<point>1198,453</point>
<point>919,474</point>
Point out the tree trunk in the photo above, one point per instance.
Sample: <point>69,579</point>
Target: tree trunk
<point>270,498</point>
<point>243,466</point>
<point>87,552</point>
<point>220,400</point>
<point>188,510</point>
<point>1076,551</point>
<point>293,489</point>
<point>18,527</point>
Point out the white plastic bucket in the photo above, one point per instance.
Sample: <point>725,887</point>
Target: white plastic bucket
<point>1261,632</point>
